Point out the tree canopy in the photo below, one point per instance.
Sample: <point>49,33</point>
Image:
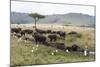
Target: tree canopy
<point>36,16</point>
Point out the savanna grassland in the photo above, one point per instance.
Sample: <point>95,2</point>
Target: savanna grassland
<point>22,54</point>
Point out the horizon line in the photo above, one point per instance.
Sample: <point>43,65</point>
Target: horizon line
<point>52,14</point>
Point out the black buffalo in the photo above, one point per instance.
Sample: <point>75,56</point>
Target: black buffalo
<point>48,31</point>
<point>52,37</point>
<point>39,38</point>
<point>72,33</point>
<point>74,47</point>
<point>26,31</point>
<point>62,34</point>
<point>16,30</point>
<point>60,46</point>
<point>17,35</point>
<point>54,32</point>
<point>40,31</point>
<point>69,48</point>
<point>46,43</point>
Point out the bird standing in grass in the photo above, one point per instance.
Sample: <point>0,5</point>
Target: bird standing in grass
<point>85,51</point>
<point>52,53</point>
<point>32,51</point>
<point>37,45</point>
<point>56,51</point>
<point>67,51</point>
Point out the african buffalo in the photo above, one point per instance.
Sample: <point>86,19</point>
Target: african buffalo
<point>18,35</point>
<point>75,47</point>
<point>40,31</point>
<point>16,30</point>
<point>62,34</point>
<point>52,37</point>
<point>68,48</point>
<point>72,33</point>
<point>60,46</point>
<point>39,38</point>
<point>48,31</point>
<point>26,31</point>
<point>54,32</point>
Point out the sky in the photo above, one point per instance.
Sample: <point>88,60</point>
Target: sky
<point>50,9</point>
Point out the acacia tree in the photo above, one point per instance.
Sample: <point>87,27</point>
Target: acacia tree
<point>36,17</point>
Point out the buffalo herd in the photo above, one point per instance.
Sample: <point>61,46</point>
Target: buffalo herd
<point>47,38</point>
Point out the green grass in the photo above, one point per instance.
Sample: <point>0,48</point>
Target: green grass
<point>21,52</point>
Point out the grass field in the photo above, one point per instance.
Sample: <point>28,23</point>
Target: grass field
<point>27,53</point>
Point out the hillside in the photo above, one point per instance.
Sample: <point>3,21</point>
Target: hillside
<point>65,19</point>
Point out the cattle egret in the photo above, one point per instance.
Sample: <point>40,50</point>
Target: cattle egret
<point>56,51</point>
<point>92,53</point>
<point>32,51</point>
<point>67,51</point>
<point>33,47</point>
<point>37,45</point>
<point>52,53</point>
<point>85,52</point>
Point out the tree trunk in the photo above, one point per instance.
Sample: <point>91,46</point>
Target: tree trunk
<point>35,24</point>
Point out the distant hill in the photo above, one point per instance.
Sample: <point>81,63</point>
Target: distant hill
<point>22,18</point>
<point>65,19</point>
